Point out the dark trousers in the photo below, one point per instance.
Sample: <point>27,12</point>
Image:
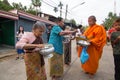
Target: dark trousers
<point>67,53</point>
<point>117,66</point>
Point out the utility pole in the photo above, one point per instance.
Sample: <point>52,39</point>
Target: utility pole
<point>72,8</point>
<point>114,6</point>
<point>66,12</point>
<point>60,5</point>
<point>61,11</point>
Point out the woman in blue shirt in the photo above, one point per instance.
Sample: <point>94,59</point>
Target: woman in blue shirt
<point>56,38</point>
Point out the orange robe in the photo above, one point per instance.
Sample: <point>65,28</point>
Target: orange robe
<point>97,36</point>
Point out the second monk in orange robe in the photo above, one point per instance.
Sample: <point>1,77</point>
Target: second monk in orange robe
<point>97,36</point>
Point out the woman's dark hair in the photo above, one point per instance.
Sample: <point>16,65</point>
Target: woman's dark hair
<point>80,26</point>
<point>22,30</point>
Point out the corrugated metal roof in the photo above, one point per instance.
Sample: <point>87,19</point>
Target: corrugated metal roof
<point>22,13</point>
<point>8,15</point>
<point>15,14</point>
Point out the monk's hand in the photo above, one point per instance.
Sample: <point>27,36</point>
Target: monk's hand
<point>89,41</point>
<point>40,45</point>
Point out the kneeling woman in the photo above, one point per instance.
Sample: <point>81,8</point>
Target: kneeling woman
<point>31,42</point>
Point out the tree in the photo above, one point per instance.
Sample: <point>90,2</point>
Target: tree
<point>15,5</point>
<point>4,5</point>
<point>25,8</point>
<point>6,2</point>
<point>109,21</point>
<point>31,10</point>
<point>60,5</point>
<point>73,21</point>
<point>36,3</point>
<point>19,6</point>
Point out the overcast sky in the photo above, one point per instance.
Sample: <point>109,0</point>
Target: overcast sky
<point>99,8</point>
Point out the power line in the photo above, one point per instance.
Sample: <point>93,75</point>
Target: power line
<point>62,11</point>
<point>78,5</point>
<point>48,4</point>
<point>51,5</point>
<point>54,2</point>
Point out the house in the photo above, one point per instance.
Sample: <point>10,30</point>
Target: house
<point>47,16</point>
<point>10,22</point>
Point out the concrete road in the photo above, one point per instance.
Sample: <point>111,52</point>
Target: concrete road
<point>11,69</point>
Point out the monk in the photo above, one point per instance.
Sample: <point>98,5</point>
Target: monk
<point>96,35</point>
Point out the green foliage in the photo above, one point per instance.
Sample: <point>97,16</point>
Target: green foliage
<point>6,2</point>
<point>19,6</point>
<point>31,10</point>
<point>73,21</point>
<point>109,21</point>
<point>4,5</point>
<point>36,3</point>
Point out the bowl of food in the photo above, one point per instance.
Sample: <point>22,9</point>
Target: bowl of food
<point>83,43</point>
<point>47,50</point>
<point>78,38</point>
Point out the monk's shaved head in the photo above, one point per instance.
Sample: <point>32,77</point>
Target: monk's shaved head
<point>92,20</point>
<point>92,17</point>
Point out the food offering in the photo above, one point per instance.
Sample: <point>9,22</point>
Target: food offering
<point>47,50</point>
